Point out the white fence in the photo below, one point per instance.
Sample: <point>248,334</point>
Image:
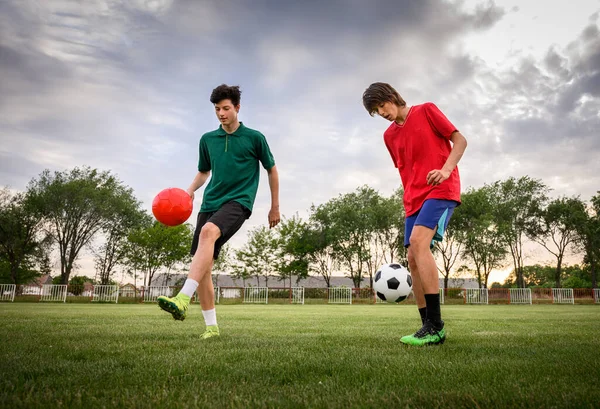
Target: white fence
<point>7,292</point>
<point>217,291</point>
<point>106,293</point>
<point>520,295</point>
<point>152,293</point>
<point>441,295</point>
<point>597,295</point>
<point>54,292</point>
<point>340,295</point>
<point>477,295</point>
<point>230,293</point>
<point>563,296</point>
<point>298,295</point>
<point>256,295</point>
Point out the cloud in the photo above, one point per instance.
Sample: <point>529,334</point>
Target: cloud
<point>548,111</point>
<point>124,86</point>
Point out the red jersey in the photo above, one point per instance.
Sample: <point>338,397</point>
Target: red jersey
<point>418,146</point>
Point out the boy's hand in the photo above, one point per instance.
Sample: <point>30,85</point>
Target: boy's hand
<point>274,217</point>
<point>437,176</point>
<point>191,193</point>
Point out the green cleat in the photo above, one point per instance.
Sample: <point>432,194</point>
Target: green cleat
<point>211,331</point>
<point>427,335</point>
<point>176,306</point>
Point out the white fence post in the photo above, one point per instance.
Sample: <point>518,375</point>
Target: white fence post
<point>563,296</point>
<point>105,293</point>
<point>477,295</point>
<point>54,292</point>
<point>340,295</point>
<point>520,295</point>
<point>152,293</point>
<point>7,292</point>
<point>256,295</point>
<point>297,295</point>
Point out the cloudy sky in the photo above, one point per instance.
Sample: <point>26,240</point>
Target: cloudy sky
<point>124,86</point>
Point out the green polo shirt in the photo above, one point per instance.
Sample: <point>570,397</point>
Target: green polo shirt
<point>233,162</point>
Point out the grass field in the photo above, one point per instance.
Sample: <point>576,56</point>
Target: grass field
<point>135,356</point>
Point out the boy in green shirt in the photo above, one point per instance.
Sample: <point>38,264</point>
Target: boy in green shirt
<point>231,154</point>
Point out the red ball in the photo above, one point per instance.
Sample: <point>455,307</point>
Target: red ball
<point>172,206</point>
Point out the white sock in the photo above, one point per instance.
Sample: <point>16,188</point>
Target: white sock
<point>189,287</point>
<point>210,317</point>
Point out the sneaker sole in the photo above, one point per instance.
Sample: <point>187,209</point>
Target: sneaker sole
<point>440,342</point>
<point>172,309</point>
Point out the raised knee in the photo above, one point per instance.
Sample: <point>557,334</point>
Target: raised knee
<point>210,232</point>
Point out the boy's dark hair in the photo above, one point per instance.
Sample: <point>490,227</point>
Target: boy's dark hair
<point>378,93</point>
<point>224,91</point>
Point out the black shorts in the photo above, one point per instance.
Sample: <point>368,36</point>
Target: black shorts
<point>229,218</point>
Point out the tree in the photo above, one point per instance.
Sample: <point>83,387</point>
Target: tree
<point>259,254</point>
<point>240,269</point>
<point>387,219</point>
<point>222,264</point>
<point>561,221</point>
<point>533,276</point>
<point>294,249</point>
<point>21,237</point>
<point>518,204</point>
<point>127,216</point>
<point>157,246</point>
<point>480,234</point>
<point>450,248</point>
<point>589,238</point>
<point>45,265</point>
<point>577,276</point>
<point>350,218</point>
<point>77,284</point>
<point>77,204</point>
<point>319,237</point>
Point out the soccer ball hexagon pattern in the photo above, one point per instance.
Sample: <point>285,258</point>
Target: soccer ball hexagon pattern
<point>172,206</point>
<point>393,283</point>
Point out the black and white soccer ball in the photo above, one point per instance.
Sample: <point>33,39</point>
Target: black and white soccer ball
<point>393,283</point>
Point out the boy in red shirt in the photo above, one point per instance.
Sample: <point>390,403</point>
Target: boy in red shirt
<point>419,142</point>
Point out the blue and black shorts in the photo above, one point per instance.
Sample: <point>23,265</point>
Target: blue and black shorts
<point>434,214</point>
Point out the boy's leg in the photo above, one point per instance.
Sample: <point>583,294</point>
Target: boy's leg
<point>206,293</point>
<point>432,331</point>
<point>200,267</point>
<point>414,268</point>
<point>417,286</point>
<point>430,225</point>
<point>202,261</point>
<point>420,244</point>
<point>212,232</point>
<point>229,220</point>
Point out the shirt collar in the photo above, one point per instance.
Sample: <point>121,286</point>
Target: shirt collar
<point>222,132</point>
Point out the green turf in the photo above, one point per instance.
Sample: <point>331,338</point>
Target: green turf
<point>136,356</point>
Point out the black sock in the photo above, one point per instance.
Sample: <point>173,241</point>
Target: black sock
<point>433,309</point>
<point>423,312</point>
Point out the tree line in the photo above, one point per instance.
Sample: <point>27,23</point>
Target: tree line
<point>65,213</point>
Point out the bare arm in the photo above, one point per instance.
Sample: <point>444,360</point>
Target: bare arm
<point>459,144</point>
<point>274,216</point>
<point>198,181</point>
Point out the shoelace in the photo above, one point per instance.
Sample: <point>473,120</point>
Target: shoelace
<point>425,330</point>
